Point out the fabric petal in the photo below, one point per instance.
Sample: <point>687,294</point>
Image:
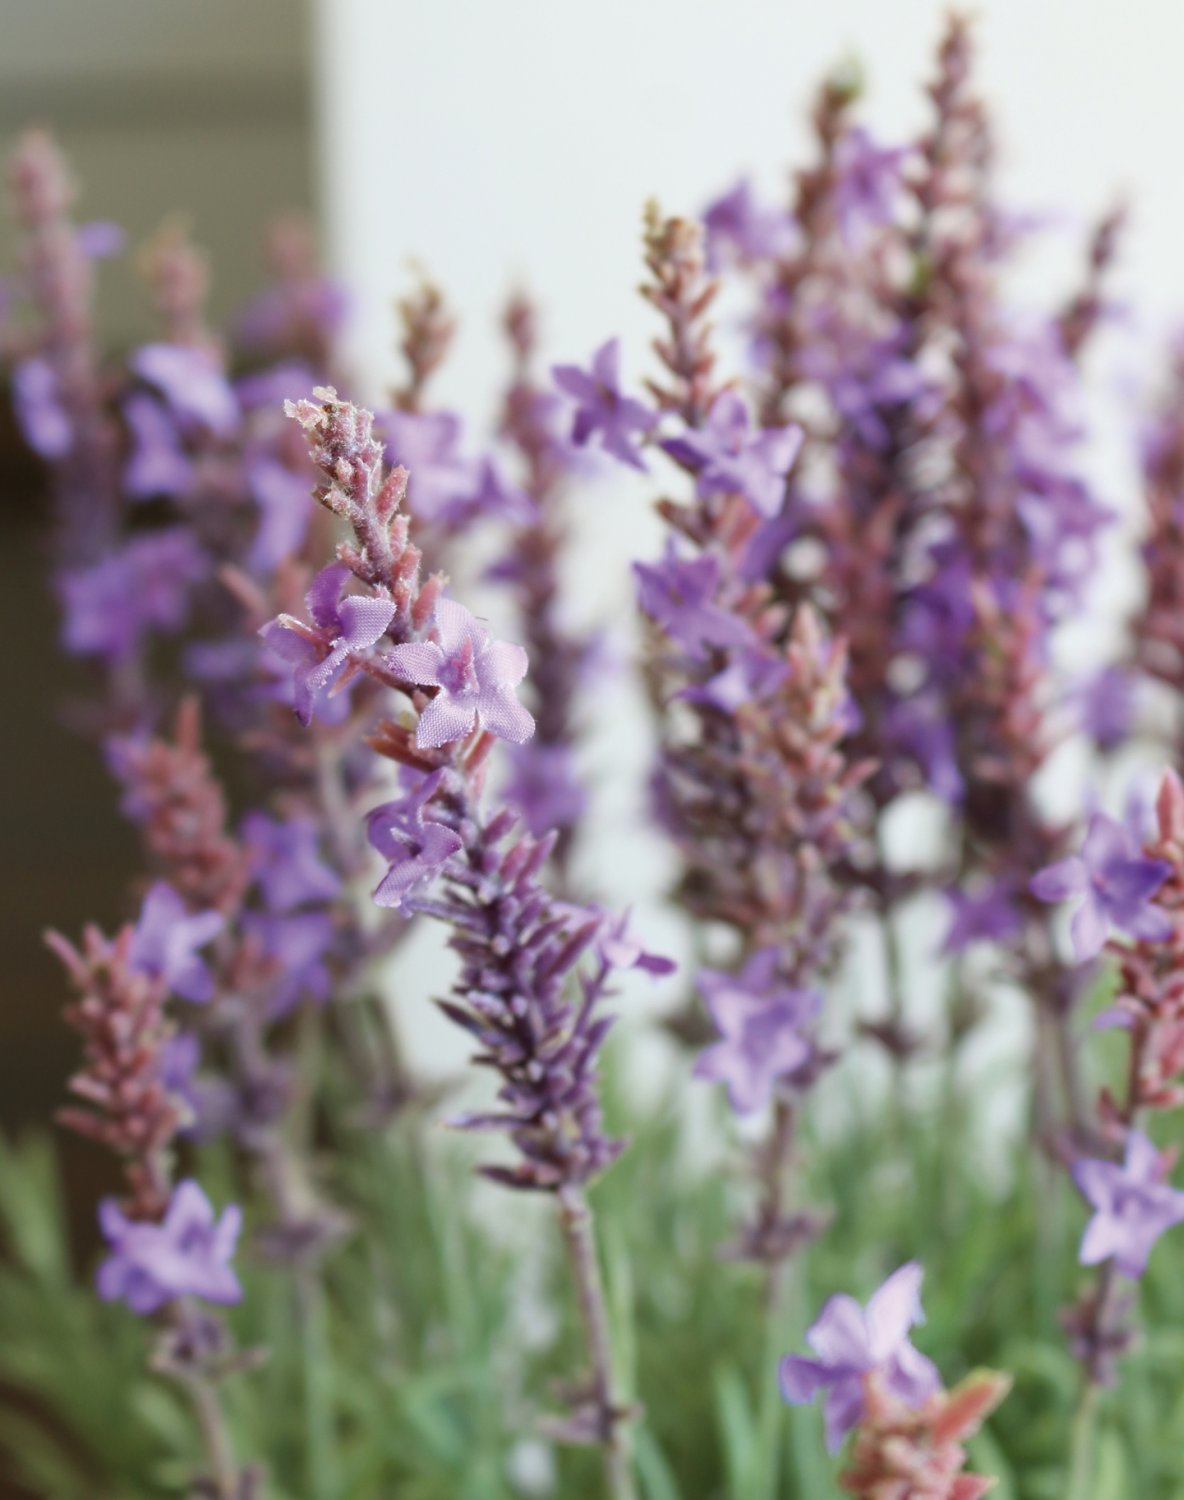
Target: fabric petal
<point>442,721</point>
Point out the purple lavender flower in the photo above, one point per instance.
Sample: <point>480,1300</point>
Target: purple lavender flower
<point>981,914</point>
<point>39,409</point>
<point>760,1020</point>
<point>1106,702</point>
<point>618,419</point>
<point>288,866</point>
<point>157,464</point>
<point>868,184</point>
<point>475,675</point>
<point>358,621</point>
<point>191,383</point>
<point>188,1254</point>
<point>679,595</point>
<point>297,944</point>
<point>285,508</point>
<point>427,446</point>
<point>416,848</point>
<point>752,673</point>
<point>110,604</point>
<point>166,941</point>
<point>619,949</point>
<point>1117,883</point>
<point>1132,1205</point>
<point>730,457</point>
<point>739,229</point>
<point>543,786</point>
<point>851,1343</point>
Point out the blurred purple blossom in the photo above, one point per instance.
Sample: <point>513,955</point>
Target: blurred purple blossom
<point>729,456</point>
<point>157,463</point>
<point>981,913</point>
<point>109,605</point>
<point>761,1021</point>
<point>166,941</point>
<point>868,184</point>
<point>852,1342</point>
<point>601,408</point>
<point>543,786</point>
<point>39,408</point>
<point>679,595</point>
<point>287,862</point>
<point>740,229</point>
<point>188,1254</point>
<point>1116,882</point>
<point>191,383</point>
<point>1132,1206</point>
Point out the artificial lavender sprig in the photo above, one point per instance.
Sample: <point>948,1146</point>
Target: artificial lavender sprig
<point>520,948</point>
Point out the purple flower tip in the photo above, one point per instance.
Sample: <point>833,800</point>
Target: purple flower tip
<point>166,941</point>
<point>1132,1204</point>
<point>187,1254</point>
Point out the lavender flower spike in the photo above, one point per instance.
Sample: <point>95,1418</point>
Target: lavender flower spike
<point>851,1343</point>
<point>618,419</point>
<point>1132,1206</point>
<point>188,1254</point>
<point>760,1021</point>
<point>1117,883</point>
<point>475,677</point>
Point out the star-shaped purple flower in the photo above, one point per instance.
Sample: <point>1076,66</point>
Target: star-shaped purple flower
<point>729,456</point>
<point>192,384</point>
<point>476,677</point>
<point>418,849</point>
<point>761,1021</point>
<point>358,621</point>
<point>852,1342</point>
<point>1132,1204</point>
<point>288,865</point>
<point>1116,881</point>
<point>166,941</point>
<point>742,230</point>
<point>868,184</point>
<point>620,420</point>
<point>187,1254</point>
<point>980,914</point>
<point>679,595</point>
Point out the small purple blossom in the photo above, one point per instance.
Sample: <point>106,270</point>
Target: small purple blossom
<point>358,621</point>
<point>166,941</point>
<point>981,914</point>
<point>729,456</point>
<point>620,420</point>
<point>761,1021</point>
<point>1116,881</point>
<point>544,788</point>
<point>679,595</point>
<point>1132,1204</point>
<point>287,862</point>
<point>740,229</point>
<point>868,184</point>
<point>1106,703</point>
<point>284,502</point>
<point>297,944</point>
<point>619,949</point>
<point>191,382</point>
<point>416,848</point>
<point>475,677</point>
<point>145,585</point>
<point>852,1342</point>
<point>187,1254</point>
<point>39,409</point>
<point>157,464</point>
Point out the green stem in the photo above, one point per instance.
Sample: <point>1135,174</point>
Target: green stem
<point>1081,1444</point>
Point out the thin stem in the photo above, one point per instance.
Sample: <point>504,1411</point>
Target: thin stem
<point>1081,1443</point>
<point>575,1218</point>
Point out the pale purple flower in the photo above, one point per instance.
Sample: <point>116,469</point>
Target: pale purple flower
<point>544,788</point>
<point>475,677</point>
<point>297,944</point>
<point>157,463</point>
<point>416,848</point>
<point>358,621</point>
<point>284,501</point>
<point>868,184</point>
<point>1106,703</point>
<point>729,456</point>
<point>752,673</point>
<point>1132,1204</point>
<point>761,1021</point>
<point>191,382</point>
<point>166,941</point>
<point>679,595</point>
<point>1116,882</point>
<point>982,913</point>
<point>39,409</point>
<point>187,1254</point>
<point>108,605</point>
<point>742,230</point>
<point>620,420</point>
<point>287,862</point>
<point>427,445</point>
<point>852,1342</point>
<point>619,949</point>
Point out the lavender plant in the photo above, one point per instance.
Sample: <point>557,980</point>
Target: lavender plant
<point>877,523</point>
